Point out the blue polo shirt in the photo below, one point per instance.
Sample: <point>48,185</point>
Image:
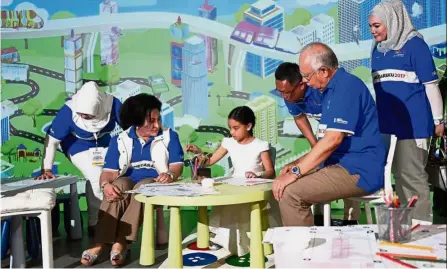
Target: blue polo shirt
<point>74,139</point>
<point>141,159</point>
<point>398,77</point>
<point>348,107</point>
<point>310,104</point>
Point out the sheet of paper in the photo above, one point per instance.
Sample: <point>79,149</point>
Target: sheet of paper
<point>346,247</point>
<point>176,189</point>
<point>242,181</point>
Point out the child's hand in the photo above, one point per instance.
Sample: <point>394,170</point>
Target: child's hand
<point>250,175</point>
<point>193,148</point>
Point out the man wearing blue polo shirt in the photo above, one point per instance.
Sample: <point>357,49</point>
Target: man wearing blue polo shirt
<point>349,151</point>
<point>304,102</point>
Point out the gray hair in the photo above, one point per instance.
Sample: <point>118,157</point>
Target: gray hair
<point>320,57</point>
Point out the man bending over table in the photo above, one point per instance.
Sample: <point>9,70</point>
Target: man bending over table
<point>349,158</point>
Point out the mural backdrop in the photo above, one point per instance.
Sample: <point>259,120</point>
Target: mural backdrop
<point>200,57</point>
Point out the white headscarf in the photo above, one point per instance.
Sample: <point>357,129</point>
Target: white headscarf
<point>399,27</point>
<point>89,100</point>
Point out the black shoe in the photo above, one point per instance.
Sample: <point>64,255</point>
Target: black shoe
<point>91,231</point>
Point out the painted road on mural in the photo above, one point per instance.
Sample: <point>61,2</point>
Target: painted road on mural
<point>142,81</point>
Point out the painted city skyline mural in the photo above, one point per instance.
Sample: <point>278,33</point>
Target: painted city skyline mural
<point>201,58</point>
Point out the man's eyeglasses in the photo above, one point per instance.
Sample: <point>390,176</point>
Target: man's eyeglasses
<point>308,77</point>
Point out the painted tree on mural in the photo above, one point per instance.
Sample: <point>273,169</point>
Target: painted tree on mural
<point>32,108</point>
<point>300,16</point>
<point>239,15</point>
<point>109,75</point>
<point>62,15</point>
<point>9,149</point>
<point>187,134</point>
<point>219,93</point>
<point>225,108</point>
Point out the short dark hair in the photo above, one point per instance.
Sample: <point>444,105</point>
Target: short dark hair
<point>290,72</point>
<point>244,115</point>
<point>136,108</point>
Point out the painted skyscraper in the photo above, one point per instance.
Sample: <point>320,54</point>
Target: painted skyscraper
<point>8,108</point>
<point>266,127</point>
<point>437,10</point>
<point>178,31</point>
<point>210,12</point>
<point>167,116</point>
<point>109,38</point>
<point>195,78</point>
<point>73,63</point>
<point>353,25</point>
<point>324,26</point>
<point>264,13</point>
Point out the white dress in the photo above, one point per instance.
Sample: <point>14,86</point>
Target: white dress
<point>231,224</point>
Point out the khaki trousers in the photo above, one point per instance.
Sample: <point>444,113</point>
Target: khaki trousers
<point>322,186</point>
<point>120,219</point>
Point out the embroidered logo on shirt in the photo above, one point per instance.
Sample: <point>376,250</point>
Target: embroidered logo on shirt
<point>340,120</point>
<point>399,53</point>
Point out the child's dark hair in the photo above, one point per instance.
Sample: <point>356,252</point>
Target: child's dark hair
<point>244,115</point>
<point>136,108</point>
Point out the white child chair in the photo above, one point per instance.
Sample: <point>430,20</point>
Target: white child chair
<point>37,202</point>
<point>376,198</point>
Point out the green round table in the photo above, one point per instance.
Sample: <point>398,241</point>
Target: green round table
<point>256,195</point>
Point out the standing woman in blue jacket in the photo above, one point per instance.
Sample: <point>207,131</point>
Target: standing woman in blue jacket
<point>82,128</point>
<point>408,99</point>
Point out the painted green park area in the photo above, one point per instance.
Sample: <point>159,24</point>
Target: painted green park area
<point>139,57</point>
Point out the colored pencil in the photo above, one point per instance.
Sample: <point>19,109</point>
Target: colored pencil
<point>409,256</point>
<point>405,246</point>
<point>415,227</point>
<point>420,260</point>
<point>389,257</point>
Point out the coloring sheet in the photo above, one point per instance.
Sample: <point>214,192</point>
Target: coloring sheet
<point>344,247</point>
<point>173,189</point>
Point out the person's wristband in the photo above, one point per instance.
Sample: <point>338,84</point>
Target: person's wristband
<point>437,122</point>
<point>103,186</point>
<point>171,175</point>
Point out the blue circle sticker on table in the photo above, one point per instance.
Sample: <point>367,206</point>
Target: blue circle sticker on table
<point>198,259</point>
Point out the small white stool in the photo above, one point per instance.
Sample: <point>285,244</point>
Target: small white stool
<point>37,202</point>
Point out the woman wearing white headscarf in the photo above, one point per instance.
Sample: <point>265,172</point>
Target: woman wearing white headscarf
<point>408,99</point>
<point>82,128</point>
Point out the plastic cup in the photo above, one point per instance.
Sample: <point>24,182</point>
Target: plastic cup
<point>394,224</point>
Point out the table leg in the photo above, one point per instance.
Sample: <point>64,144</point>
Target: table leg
<point>75,218</point>
<point>175,259</point>
<point>17,245</point>
<point>256,251</point>
<point>203,233</point>
<point>147,253</point>
<point>268,248</point>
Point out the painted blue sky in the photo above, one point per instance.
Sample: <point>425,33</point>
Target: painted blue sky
<point>224,7</point>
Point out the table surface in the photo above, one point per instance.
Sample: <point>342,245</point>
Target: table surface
<point>228,195</point>
<point>12,186</point>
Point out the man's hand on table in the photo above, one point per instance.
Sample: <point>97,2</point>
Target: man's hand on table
<point>280,184</point>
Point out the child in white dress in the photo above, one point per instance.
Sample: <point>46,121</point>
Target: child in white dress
<point>251,159</point>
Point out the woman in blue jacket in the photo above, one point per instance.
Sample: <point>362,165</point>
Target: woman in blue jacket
<point>82,129</point>
<point>408,99</point>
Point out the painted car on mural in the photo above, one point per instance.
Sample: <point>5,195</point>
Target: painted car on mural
<point>21,19</point>
<point>158,84</point>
